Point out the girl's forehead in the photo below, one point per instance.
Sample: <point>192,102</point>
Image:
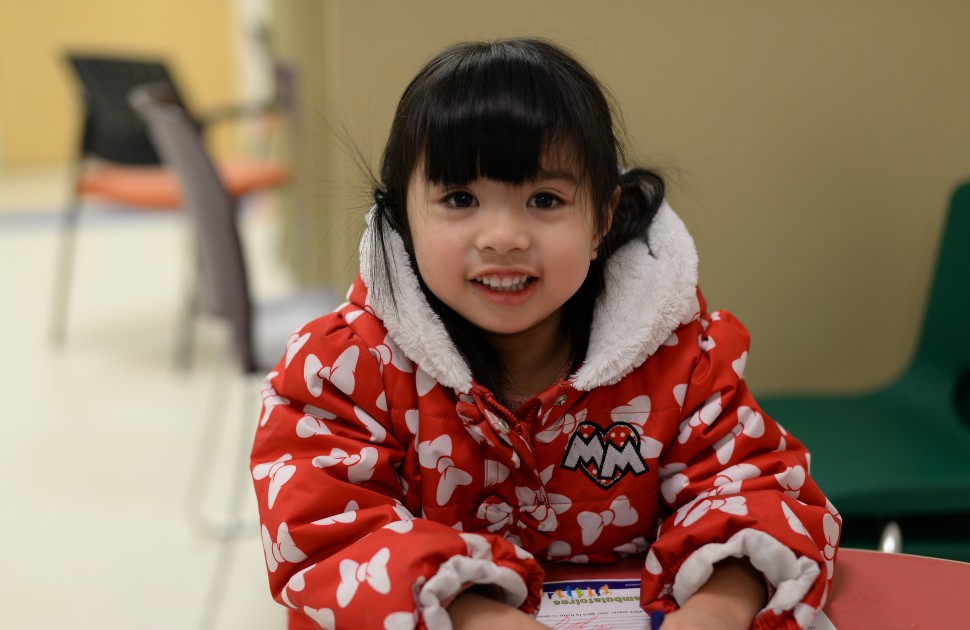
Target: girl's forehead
<point>562,160</point>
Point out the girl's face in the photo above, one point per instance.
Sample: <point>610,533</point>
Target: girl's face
<point>506,257</point>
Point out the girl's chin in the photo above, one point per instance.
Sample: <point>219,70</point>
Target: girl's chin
<point>512,326</point>
<point>505,331</point>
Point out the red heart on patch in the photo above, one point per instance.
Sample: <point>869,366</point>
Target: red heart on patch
<point>605,454</point>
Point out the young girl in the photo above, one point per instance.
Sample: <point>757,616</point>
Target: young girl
<point>524,373</point>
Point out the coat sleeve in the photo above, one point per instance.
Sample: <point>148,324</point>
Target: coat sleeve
<point>737,485</point>
<point>341,548</point>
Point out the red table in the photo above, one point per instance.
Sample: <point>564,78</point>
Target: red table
<point>887,591</point>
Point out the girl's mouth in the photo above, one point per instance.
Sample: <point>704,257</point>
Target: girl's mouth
<point>505,283</point>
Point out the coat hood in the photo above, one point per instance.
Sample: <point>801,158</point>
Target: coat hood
<point>650,289</point>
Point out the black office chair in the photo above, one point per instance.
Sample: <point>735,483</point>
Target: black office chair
<point>118,163</point>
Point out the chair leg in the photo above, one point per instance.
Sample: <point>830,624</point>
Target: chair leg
<point>214,426</point>
<point>215,594</point>
<point>228,531</point>
<point>200,480</point>
<point>185,329</point>
<point>63,271</point>
<point>191,309</point>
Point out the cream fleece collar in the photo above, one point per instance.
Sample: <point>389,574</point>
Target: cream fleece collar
<point>649,291</point>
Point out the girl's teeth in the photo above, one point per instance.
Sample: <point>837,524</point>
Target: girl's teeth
<point>506,283</point>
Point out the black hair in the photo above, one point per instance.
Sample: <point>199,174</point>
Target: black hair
<point>495,109</point>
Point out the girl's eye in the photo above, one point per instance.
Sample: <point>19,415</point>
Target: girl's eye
<point>460,199</point>
<point>545,200</point>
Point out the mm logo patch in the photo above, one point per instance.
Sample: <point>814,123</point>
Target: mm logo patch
<point>605,455</point>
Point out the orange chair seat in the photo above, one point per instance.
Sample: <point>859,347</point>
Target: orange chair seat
<point>157,188</point>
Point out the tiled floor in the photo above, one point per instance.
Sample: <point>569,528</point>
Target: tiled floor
<point>98,439</point>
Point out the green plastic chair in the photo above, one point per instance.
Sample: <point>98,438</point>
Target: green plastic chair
<point>902,453</point>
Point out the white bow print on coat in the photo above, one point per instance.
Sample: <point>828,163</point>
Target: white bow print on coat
<point>534,503</point>
<point>750,423</point>
<point>323,617</point>
<point>832,529</point>
<point>498,515</point>
<point>388,353</point>
<point>501,515</point>
<point>341,373</point>
<point>283,550</point>
<point>620,514</point>
<point>495,472</point>
<point>314,422</point>
<point>792,480</point>
<point>373,573</point>
<point>296,584</point>
<point>360,466</point>
<point>692,512</point>
<point>377,431</point>
<point>729,480</point>
<point>436,455</point>
<point>278,472</point>
<point>294,344</point>
<point>349,515</point>
<point>707,414</point>
<point>558,502</point>
<point>563,425</point>
<point>270,398</point>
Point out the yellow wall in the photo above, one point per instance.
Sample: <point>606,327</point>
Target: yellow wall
<point>810,147</point>
<point>38,102</point>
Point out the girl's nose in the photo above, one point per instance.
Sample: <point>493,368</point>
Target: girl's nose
<point>503,231</point>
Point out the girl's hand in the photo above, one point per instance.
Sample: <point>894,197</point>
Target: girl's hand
<point>701,618</point>
<point>729,600</point>
<point>471,611</point>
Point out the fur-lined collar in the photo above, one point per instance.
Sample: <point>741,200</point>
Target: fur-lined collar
<point>649,291</point>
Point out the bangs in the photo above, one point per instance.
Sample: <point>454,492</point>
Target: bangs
<point>500,112</point>
<point>495,127</point>
<point>507,111</point>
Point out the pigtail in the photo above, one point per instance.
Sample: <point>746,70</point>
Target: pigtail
<point>641,193</point>
<point>385,215</point>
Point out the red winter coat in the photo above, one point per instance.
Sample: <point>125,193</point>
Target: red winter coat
<point>388,481</point>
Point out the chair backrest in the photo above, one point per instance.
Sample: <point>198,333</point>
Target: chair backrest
<point>212,213</point>
<point>945,338</point>
<point>112,130</point>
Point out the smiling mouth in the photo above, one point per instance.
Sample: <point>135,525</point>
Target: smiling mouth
<point>505,283</point>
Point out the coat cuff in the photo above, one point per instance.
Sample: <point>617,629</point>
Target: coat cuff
<point>458,573</point>
<point>788,576</point>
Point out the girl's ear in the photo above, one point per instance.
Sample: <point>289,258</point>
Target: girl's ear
<point>610,211</point>
<point>614,202</point>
